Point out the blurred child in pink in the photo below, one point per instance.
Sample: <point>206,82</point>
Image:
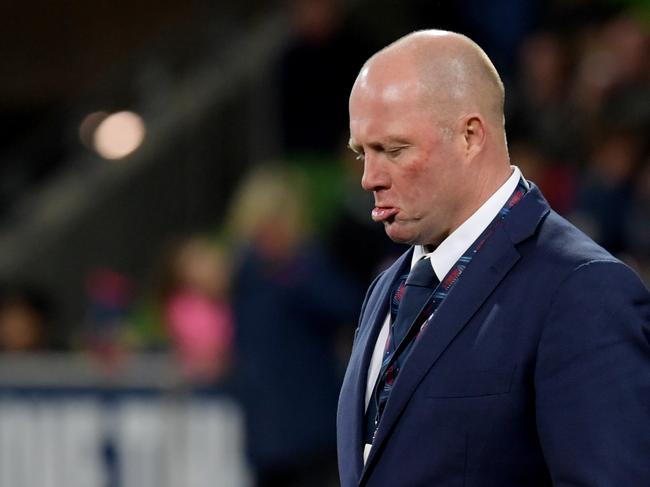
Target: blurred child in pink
<point>196,309</point>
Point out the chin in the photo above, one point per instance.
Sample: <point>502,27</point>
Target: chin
<point>401,237</point>
<point>407,231</point>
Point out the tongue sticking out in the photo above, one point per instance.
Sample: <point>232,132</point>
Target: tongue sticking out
<point>380,214</point>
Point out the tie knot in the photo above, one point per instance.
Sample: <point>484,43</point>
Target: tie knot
<point>422,275</point>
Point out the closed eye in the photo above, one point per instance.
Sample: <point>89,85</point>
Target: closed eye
<point>394,152</point>
<point>390,152</point>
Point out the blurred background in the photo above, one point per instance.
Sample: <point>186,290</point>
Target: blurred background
<point>184,244</point>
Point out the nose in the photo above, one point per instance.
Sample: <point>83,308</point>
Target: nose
<point>374,177</point>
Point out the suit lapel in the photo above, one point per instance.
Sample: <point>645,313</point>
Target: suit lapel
<point>353,391</point>
<point>478,281</point>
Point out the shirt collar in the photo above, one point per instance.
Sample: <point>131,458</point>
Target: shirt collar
<point>454,246</point>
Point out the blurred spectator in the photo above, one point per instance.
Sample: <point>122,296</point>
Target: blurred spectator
<point>637,223</point>
<point>558,181</point>
<point>196,308</point>
<point>25,321</point>
<point>612,73</point>
<point>110,296</point>
<point>605,196</point>
<point>539,108</point>
<point>289,300</point>
<point>315,72</point>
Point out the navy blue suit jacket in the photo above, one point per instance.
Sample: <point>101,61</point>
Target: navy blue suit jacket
<point>534,371</point>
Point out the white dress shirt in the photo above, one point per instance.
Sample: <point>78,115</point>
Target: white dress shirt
<point>442,260</point>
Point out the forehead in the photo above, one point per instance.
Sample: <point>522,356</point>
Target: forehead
<point>387,78</point>
<point>386,104</point>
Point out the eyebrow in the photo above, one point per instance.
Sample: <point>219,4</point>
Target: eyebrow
<point>377,145</point>
<point>354,147</point>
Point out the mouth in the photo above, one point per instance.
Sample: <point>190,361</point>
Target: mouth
<point>383,213</point>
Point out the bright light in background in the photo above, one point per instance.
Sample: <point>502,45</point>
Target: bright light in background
<point>116,135</point>
<point>88,127</point>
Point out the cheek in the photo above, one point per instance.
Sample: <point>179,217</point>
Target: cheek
<point>420,188</point>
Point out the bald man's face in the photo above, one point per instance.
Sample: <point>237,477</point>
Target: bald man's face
<point>413,168</point>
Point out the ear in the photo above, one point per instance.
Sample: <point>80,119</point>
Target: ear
<point>474,134</point>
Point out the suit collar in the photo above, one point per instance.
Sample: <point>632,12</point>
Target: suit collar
<point>456,244</point>
<point>488,268</point>
<point>526,216</point>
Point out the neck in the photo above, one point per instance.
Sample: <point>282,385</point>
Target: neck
<point>485,184</point>
<point>488,181</point>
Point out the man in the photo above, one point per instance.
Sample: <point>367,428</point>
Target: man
<point>504,348</point>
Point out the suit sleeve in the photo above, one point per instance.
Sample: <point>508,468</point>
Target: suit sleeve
<point>592,379</point>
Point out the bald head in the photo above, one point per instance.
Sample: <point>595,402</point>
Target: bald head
<point>426,119</point>
<point>452,73</point>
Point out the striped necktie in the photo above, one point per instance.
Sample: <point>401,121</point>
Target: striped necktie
<point>411,294</point>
